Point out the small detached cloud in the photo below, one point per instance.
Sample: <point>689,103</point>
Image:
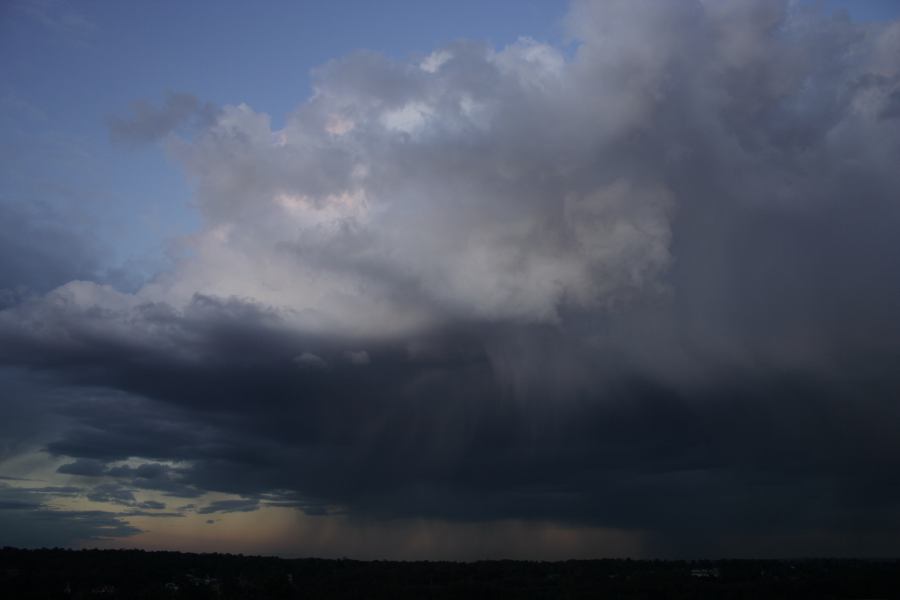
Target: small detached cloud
<point>149,123</point>
<point>230,506</point>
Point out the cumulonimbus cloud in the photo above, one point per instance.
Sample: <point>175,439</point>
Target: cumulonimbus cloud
<point>529,283</point>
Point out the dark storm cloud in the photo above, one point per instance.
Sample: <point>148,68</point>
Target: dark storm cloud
<point>651,287</point>
<point>55,528</point>
<point>148,123</point>
<point>85,467</point>
<point>111,492</point>
<point>158,477</point>
<point>27,520</point>
<point>444,439</point>
<point>28,419</point>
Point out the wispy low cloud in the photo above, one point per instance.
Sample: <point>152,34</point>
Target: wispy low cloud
<point>111,492</point>
<point>27,520</point>
<point>230,506</point>
<point>151,514</point>
<point>146,476</point>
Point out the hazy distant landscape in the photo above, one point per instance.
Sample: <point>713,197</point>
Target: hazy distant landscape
<point>138,574</point>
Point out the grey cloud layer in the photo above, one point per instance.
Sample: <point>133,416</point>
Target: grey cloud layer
<point>149,124</point>
<point>651,286</point>
<point>27,519</point>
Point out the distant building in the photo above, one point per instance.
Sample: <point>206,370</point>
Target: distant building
<point>705,573</point>
<point>104,590</point>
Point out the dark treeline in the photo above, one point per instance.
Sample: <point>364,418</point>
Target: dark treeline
<point>108,574</point>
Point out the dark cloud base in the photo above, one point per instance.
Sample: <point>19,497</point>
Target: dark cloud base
<point>746,456</point>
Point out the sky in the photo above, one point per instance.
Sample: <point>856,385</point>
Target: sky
<point>451,280</point>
